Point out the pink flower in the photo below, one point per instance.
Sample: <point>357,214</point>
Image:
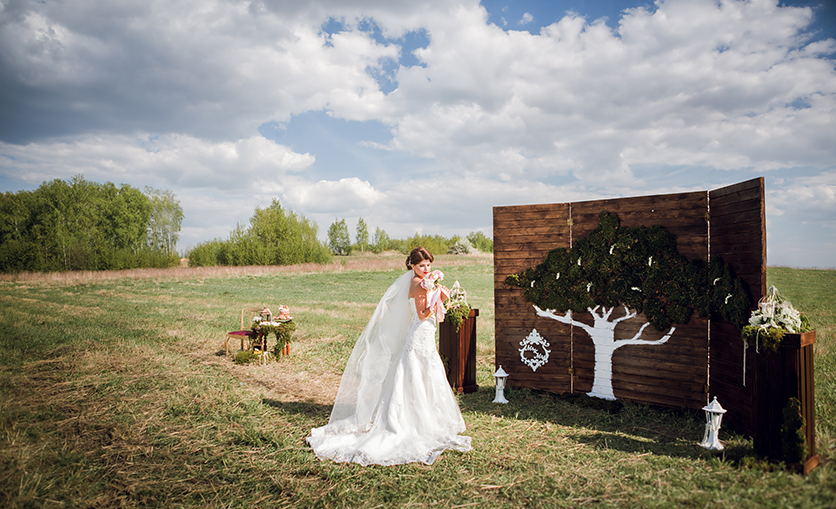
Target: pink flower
<point>430,280</point>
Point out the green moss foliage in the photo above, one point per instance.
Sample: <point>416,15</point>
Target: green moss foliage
<point>638,267</point>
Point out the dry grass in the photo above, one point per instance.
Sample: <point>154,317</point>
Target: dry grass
<point>134,407</point>
<point>364,262</point>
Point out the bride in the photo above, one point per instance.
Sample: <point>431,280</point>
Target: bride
<point>394,404</point>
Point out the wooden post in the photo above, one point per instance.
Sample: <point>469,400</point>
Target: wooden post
<point>458,350</point>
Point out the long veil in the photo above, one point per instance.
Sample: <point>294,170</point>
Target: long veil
<point>376,349</point>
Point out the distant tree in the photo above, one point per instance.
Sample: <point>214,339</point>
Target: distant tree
<point>166,218</point>
<point>18,251</point>
<point>362,235</point>
<point>480,241</point>
<point>126,213</point>
<point>381,241</point>
<point>436,244</point>
<point>459,246</point>
<point>275,236</point>
<point>338,239</point>
<point>288,237</point>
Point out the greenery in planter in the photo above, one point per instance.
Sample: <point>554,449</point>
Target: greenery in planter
<point>774,317</point>
<point>457,307</point>
<point>793,439</point>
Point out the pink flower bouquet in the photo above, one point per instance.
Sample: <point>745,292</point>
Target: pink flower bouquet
<point>431,280</point>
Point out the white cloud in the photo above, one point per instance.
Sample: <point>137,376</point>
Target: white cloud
<point>172,94</point>
<point>806,198</point>
<point>166,161</point>
<point>693,83</point>
<point>335,197</point>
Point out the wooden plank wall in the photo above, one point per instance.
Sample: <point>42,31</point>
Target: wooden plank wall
<point>673,374</point>
<point>738,234</point>
<point>523,235</point>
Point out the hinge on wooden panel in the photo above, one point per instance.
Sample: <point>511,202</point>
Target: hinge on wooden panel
<point>571,371</point>
<point>569,222</point>
<point>707,216</point>
<point>706,388</point>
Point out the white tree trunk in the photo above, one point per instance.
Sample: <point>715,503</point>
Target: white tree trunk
<point>603,339</point>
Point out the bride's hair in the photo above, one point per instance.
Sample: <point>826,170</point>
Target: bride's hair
<point>418,255</point>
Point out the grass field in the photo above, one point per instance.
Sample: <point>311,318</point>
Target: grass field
<point>116,393</point>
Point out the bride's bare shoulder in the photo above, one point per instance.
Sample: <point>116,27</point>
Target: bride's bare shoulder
<point>414,286</point>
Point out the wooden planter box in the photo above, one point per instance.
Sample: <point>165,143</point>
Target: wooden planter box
<point>458,351</point>
<point>779,376</point>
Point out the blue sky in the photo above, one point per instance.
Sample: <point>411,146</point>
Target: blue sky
<point>421,117</point>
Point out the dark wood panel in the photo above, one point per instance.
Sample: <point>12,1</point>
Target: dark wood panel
<point>738,234</point>
<point>673,374</point>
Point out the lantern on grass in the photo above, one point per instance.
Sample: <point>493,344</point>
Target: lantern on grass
<point>713,417</point>
<point>500,377</point>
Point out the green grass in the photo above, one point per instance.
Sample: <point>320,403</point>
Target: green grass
<point>116,393</point>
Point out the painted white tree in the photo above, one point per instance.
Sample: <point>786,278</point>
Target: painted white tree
<point>602,333</point>
<point>638,269</point>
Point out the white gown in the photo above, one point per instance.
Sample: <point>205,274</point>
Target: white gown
<point>415,416</point>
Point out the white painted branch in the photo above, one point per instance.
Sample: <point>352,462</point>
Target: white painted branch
<point>567,318</point>
<point>636,341</point>
<point>627,315</point>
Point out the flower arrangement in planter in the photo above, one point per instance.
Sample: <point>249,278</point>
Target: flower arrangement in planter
<point>457,308</point>
<point>774,318</point>
<point>783,392</point>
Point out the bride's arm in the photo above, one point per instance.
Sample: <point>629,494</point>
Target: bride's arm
<point>445,292</point>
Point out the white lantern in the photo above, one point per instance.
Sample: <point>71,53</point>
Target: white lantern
<point>713,417</point>
<point>500,377</point>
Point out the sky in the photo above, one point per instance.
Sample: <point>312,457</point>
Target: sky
<point>420,117</point>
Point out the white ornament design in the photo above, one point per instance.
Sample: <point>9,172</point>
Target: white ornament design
<point>536,345</point>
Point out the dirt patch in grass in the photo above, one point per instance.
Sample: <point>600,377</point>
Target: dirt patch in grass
<point>283,380</point>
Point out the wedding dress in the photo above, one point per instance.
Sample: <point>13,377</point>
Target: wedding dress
<point>394,404</point>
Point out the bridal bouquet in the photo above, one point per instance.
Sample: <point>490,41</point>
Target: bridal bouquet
<point>431,280</point>
<point>430,284</point>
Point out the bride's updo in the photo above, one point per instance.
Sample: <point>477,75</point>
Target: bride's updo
<point>418,255</point>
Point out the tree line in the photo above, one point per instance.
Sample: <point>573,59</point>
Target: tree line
<point>339,241</point>
<point>83,225</point>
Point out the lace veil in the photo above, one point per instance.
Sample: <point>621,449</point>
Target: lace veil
<point>376,349</point>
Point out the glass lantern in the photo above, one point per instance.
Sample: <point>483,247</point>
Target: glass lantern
<point>713,417</point>
<point>500,377</point>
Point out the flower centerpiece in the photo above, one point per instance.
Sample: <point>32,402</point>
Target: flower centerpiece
<point>281,326</point>
<point>457,307</point>
<point>773,318</point>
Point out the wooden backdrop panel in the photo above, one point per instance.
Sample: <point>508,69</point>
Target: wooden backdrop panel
<point>738,234</point>
<point>671,374</point>
<point>523,235</point>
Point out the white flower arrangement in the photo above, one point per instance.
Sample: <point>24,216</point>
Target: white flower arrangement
<point>775,311</point>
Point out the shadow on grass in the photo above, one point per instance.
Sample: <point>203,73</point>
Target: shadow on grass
<point>598,424</point>
<point>603,425</point>
<point>314,410</point>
